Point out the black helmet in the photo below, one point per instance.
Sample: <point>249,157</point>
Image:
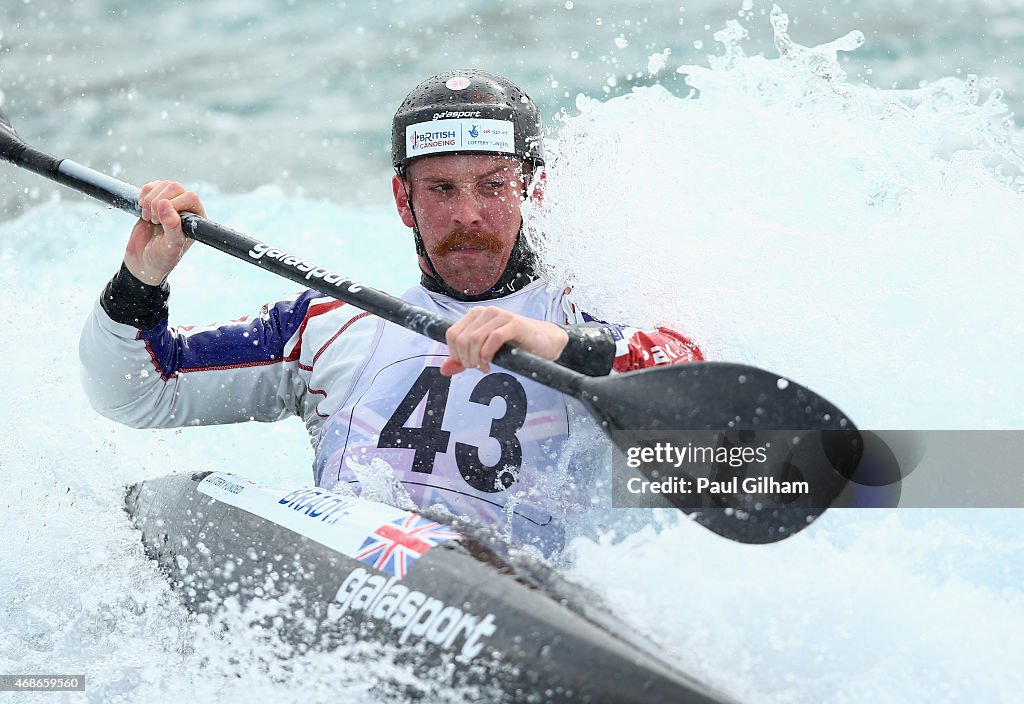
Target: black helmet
<point>466,112</point>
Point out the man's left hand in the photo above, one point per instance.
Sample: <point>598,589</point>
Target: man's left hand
<point>474,340</point>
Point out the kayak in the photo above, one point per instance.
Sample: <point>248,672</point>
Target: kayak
<point>459,601</point>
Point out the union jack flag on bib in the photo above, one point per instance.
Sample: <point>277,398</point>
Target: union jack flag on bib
<point>394,546</point>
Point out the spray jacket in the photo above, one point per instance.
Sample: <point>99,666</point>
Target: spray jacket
<point>380,416</point>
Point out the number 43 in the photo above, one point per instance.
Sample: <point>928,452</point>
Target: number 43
<point>429,439</point>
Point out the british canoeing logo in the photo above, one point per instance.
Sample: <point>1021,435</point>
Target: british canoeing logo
<point>432,140</point>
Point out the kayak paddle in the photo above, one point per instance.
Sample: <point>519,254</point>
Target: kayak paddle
<point>711,396</point>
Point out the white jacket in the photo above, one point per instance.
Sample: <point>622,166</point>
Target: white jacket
<point>492,446</point>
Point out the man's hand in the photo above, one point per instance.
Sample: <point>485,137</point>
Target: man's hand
<point>473,340</point>
<point>157,243</point>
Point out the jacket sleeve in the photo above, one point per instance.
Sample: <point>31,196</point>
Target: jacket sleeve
<point>621,348</point>
<point>164,377</point>
<point>639,349</point>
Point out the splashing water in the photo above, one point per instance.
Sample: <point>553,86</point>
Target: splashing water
<point>863,241</point>
<point>859,240</point>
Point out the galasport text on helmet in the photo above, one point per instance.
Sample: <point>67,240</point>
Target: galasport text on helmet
<point>466,112</point>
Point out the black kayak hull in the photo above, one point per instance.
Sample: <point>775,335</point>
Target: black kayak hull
<point>466,606</point>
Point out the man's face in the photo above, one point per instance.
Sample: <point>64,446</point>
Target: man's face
<point>468,212</point>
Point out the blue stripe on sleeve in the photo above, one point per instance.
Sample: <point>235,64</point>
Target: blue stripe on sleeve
<point>253,342</point>
<point>615,330</point>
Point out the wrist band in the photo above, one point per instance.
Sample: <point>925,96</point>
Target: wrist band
<point>590,349</point>
<point>131,302</point>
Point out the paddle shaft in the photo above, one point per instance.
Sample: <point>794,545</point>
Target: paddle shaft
<point>126,197</point>
<point>706,395</point>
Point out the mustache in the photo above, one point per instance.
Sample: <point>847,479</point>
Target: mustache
<point>469,239</point>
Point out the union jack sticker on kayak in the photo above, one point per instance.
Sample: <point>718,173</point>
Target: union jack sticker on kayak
<point>395,545</point>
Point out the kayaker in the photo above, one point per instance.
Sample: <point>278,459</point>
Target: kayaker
<point>380,402</point>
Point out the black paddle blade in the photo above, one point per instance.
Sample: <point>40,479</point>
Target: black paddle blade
<point>755,456</point>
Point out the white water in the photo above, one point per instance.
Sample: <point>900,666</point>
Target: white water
<point>778,219</point>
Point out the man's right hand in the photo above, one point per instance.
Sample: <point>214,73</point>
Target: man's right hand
<point>157,243</point>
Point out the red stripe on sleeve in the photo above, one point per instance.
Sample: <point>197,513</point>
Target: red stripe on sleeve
<point>657,348</point>
<point>314,310</point>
